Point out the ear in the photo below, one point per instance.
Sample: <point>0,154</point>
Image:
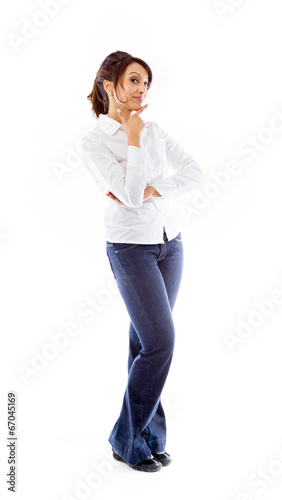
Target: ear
<point>107,86</point>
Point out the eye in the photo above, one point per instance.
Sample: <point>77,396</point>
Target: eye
<point>132,79</point>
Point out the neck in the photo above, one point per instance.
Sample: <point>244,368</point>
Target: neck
<point>115,116</point>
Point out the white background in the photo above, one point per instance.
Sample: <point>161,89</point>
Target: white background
<point>217,86</point>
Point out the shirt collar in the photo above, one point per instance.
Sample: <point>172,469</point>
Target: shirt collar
<point>109,125</point>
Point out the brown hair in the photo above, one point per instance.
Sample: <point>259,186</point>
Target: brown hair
<point>112,69</point>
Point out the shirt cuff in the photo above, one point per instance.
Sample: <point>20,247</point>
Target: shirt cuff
<point>164,190</point>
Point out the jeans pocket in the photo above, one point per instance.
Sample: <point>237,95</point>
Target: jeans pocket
<point>122,247</point>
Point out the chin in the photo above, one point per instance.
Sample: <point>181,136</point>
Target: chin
<point>133,108</point>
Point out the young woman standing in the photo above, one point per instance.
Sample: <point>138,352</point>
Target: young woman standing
<point>128,160</point>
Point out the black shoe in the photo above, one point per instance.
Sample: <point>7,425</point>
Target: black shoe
<point>164,458</point>
<point>150,464</point>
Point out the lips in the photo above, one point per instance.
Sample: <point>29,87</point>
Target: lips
<point>139,98</point>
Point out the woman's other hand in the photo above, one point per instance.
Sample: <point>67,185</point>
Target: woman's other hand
<point>113,197</point>
<point>150,191</point>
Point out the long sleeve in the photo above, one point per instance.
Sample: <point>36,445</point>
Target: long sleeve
<point>126,183</point>
<point>189,173</point>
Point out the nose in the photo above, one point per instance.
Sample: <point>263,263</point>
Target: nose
<point>142,88</point>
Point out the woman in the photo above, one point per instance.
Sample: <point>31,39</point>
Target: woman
<point>129,161</point>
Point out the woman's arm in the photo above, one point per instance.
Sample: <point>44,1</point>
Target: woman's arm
<point>126,184</point>
<point>189,173</point>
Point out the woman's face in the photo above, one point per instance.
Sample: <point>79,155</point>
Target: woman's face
<point>135,84</point>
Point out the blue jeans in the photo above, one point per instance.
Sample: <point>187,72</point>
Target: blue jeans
<point>148,278</point>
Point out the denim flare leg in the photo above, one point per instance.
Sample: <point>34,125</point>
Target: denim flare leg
<point>148,277</point>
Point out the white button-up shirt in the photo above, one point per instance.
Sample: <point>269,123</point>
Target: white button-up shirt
<point>127,170</point>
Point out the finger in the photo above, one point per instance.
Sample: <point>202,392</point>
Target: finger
<point>113,197</point>
<point>141,109</point>
<point>116,199</point>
